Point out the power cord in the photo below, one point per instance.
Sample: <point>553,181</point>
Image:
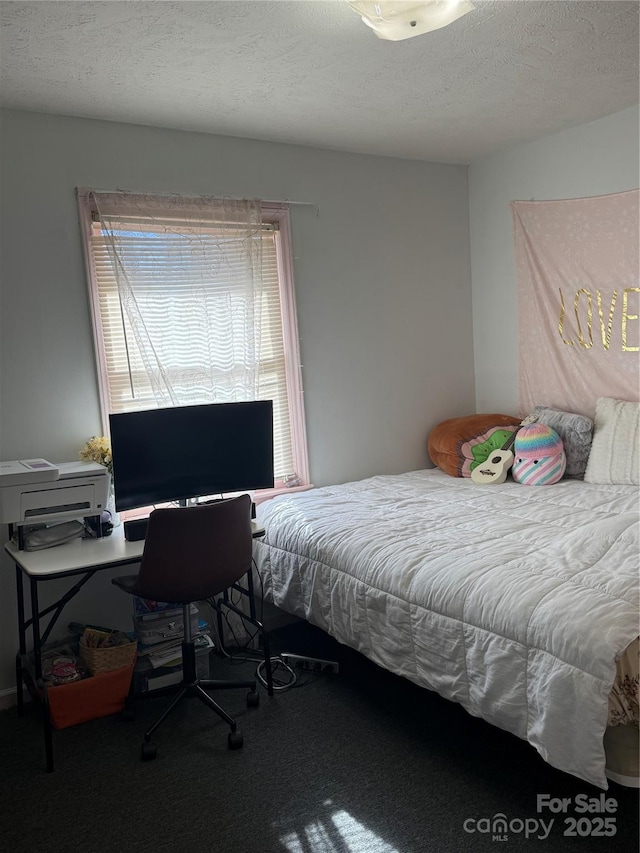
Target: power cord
<point>276,664</point>
<point>243,650</point>
<point>237,657</point>
<point>243,654</point>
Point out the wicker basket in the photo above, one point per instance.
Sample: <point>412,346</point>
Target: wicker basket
<point>107,658</point>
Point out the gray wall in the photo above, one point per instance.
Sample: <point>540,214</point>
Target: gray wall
<point>595,159</point>
<point>382,282</point>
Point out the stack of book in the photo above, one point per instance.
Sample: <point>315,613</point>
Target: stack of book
<point>159,629</point>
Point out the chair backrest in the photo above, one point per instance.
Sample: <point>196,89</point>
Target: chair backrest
<point>193,553</point>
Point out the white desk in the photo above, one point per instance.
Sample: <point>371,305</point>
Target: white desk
<point>79,555</point>
<point>83,557</point>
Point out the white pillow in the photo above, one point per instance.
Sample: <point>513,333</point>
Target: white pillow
<point>615,449</point>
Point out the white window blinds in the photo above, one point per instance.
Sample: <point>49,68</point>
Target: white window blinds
<point>189,310</point>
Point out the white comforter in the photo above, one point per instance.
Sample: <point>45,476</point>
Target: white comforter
<point>513,601</point>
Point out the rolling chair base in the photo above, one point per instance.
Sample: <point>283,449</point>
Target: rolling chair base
<point>198,688</point>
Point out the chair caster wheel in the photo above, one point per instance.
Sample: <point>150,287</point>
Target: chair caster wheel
<point>148,752</point>
<point>235,740</point>
<point>253,699</point>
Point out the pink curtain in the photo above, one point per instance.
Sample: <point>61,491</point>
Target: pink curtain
<point>578,301</point>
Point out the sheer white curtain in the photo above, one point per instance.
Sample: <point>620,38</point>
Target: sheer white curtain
<point>189,296</point>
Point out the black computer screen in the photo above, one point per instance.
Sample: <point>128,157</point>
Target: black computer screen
<point>162,455</point>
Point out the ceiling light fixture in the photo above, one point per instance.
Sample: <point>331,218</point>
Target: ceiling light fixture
<point>396,20</point>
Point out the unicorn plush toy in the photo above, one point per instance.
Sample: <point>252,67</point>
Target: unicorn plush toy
<point>539,456</point>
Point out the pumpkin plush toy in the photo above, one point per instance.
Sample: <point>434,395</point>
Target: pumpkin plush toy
<point>539,456</point>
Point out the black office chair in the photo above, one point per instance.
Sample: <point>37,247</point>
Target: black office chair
<point>192,554</point>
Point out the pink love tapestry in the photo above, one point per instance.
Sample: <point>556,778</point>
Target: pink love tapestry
<point>577,264</point>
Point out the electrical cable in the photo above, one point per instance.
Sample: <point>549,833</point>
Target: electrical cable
<point>276,664</point>
<point>236,657</point>
<point>242,652</point>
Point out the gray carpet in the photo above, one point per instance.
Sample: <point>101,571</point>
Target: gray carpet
<point>363,762</point>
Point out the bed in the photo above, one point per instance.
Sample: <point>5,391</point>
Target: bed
<point>520,604</point>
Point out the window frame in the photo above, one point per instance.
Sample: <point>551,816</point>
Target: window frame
<point>273,213</point>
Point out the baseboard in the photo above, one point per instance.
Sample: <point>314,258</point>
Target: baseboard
<point>627,781</point>
<point>9,698</point>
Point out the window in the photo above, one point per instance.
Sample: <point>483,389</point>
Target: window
<point>189,305</point>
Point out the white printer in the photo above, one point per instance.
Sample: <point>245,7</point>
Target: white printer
<point>34,491</point>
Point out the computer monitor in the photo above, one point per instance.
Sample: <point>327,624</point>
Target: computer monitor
<point>173,454</point>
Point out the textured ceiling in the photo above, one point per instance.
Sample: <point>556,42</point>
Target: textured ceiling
<point>310,72</point>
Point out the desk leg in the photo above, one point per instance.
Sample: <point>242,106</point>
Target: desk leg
<point>35,624</point>
<point>265,636</point>
<point>37,659</point>
<point>252,618</point>
<point>266,648</point>
<point>22,639</point>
